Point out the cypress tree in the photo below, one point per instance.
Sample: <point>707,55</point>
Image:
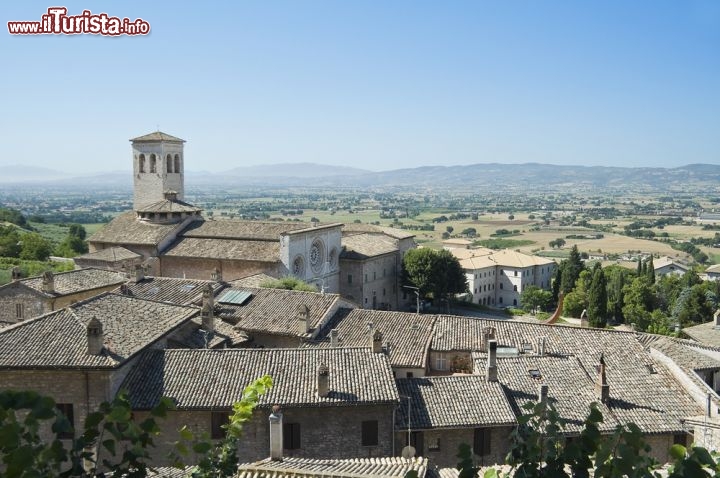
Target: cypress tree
<point>597,298</point>
<point>651,270</point>
<point>639,267</point>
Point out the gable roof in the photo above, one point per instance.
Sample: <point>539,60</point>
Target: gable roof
<point>127,229</point>
<point>207,379</point>
<point>364,246</point>
<point>457,401</point>
<point>75,281</point>
<point>157,136</point>
<point>360,228</point>
<point>705,333</point>
<point>111,254</point>
<point>168,289</point>
<point>275,311</point>
<point>407,334</point>
<point>59,339</point>
<point>169,206</point>
<point>294,467</point>
<point>244,229</point>
<point>230,249</point>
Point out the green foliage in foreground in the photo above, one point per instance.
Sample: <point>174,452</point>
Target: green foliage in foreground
<point>538,448</point>
<point>30,268</point>
<point>111,440</point>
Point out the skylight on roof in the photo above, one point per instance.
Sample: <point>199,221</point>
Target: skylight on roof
<point>187,287</point>
<point>534,373</point>
<point>235,297</point>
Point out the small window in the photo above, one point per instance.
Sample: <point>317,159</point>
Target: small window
<point>349,278</point>
<point>374,275</point>
<point>20,311</point>
<point>153,163</point>
<point>515,273</point>
<point>370,433</point>
<point>291,436</point>
<point>434,444</point>
<point>441,362</point>
<point>141,163</point>
<point>67,410</point>
<point>409,375</point>
<point>177,163</point>
<point>481,441</point>
<point>680,439</point>
<point>501,285</point>
<point>500,300</point>
<point>169,164</point>
<point>365,277</point>
<point>515,288</point>
<point>217,420</point>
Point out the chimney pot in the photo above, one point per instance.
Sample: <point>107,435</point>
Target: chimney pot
<point>491,370</point>
<point>541,346</point>
<point>216,275</point>
<point>334,340</point>
<point>207,312</point>
<point>276,434</point>
<point>95,337</point>
<point>139,273</point>
<point>323,380</point>
<point>543,393</point>
<point>48,282</point>
<point>303,315</point>
<point>584,322</point>
<point>16,275</point>
<point>377,341</point>
<point>602,388</point>
<point>170,195</point>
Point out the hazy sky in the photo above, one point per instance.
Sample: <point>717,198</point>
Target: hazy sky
<point>373,84</point>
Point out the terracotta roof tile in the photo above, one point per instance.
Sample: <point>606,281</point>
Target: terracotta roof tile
<point>292,467</point>
<point>80,280</point>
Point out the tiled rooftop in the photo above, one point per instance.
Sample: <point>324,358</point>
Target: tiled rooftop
<point>408,334</point>
<point>158,136</point>
<point>205,379</point>
<point>111,254</point>
<point>166,289</point>
<point>292,467</point>
<point>363,246</point>
<point>254,280</point>
<point>239,229</point>
<point>79,280</point>
<point>276,310</point>
<point>231,249</point>
<point>169,206</point>
<point>456,401</point>
<point>355,228</point>
<point>704,333</point>
<point>127,229</point>
<point>59,339</point>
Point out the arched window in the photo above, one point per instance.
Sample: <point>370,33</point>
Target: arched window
<point>515,288</point>
<point>177,163</point>
<point>169,163</point>
<point>153,163</point>
<point>141,167</point>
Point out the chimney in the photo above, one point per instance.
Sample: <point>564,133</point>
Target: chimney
<point>216,275</point>
<point>303,316</point>
<point>716,316</point>
<point>491,370</point>
<point>48,282</point>
<point>139,273</point>
<point>541,346</point>
<point>323,380</point>
<point>377,342</point>
<point>602,389</point>
<point>334,340</point>
<point>94,337</point>
<point>16,273</point>
<point>488,334</point>
<point>170,195</point>
<point>543,393</point>
<point>276,434</point>
<point>584,319</point>
<point>124,289</point>
<point>207,312</point>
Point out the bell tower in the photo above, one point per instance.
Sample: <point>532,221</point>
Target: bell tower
<point>158,166</point>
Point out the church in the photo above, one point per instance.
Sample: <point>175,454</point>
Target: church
<point>170,237</point>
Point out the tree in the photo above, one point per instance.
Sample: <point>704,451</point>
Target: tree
<point>469,232</point>
<point>449,229</point>
<point>35,247</point>
<point>556,281</point>
<point>288,283</point>
<point>597,298</point>
<point>651,270</point>
<point>9,241</point>
<point>615,277</point>
<point>639,302</point>
<point>534,298</point>
<point>572,267</point>
<point>511,217</point>
<point>434,272</point>
<point>74,243</point>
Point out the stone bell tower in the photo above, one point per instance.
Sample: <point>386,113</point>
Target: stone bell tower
<point>158,166</point>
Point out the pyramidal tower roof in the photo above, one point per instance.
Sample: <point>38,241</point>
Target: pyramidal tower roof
<point>157,136</point>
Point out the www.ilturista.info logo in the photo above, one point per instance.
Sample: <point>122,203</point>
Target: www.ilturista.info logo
<point>58,22</point>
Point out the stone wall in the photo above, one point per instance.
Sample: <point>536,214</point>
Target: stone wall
<point>325,432</point>
<point>199,268</point>
<point>32,302</point>
<point>441,446</point>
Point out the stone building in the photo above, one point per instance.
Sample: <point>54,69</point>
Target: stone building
<point>498,278</point>
<point>371,264</point>
<point>173,239</point>
<point>26,298</point>
<point>333,402</point>
<point>438,414</point>
<point>405,337</point>
<point>113,258</point>
<point>79,355</point>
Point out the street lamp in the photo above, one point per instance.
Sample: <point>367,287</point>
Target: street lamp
<point>417,296</point>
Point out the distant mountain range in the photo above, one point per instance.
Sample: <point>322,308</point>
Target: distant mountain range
<point>502,177</point>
